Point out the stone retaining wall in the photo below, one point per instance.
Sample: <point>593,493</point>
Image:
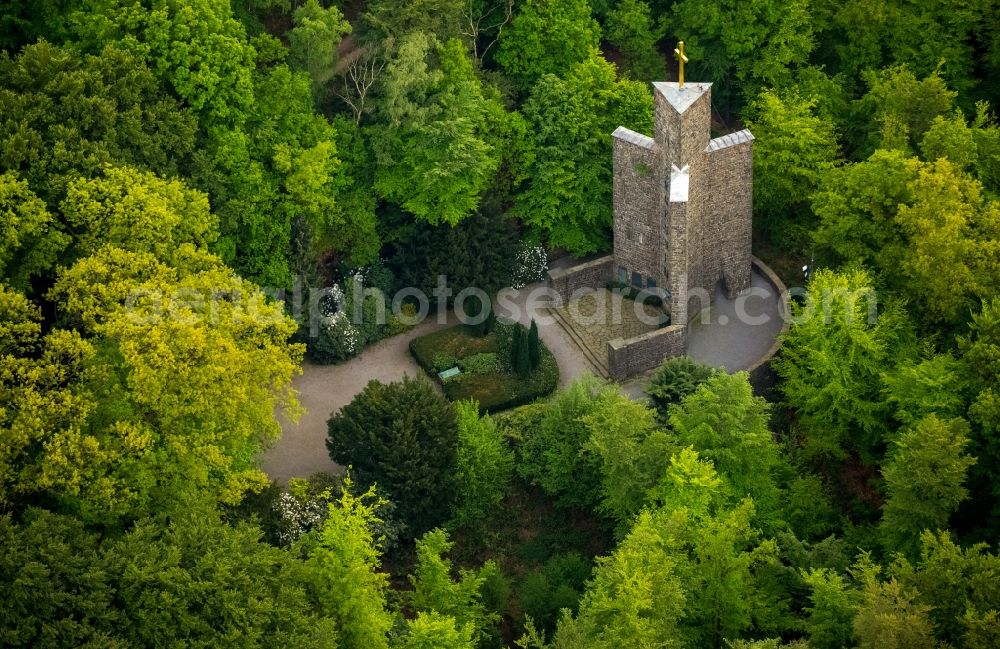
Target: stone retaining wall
<point>592,274</point>
<point>626,358</point>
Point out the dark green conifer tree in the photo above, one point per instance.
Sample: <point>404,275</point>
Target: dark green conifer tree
<point>534,347</point>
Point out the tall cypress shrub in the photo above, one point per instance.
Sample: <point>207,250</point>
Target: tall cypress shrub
<point>534,347</point>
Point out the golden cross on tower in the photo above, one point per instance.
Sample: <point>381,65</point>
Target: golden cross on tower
<point>681,60</point>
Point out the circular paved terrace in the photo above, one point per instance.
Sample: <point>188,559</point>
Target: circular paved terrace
<point>737,334</point>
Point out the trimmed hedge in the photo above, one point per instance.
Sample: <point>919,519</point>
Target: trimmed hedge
<point>494,390</point>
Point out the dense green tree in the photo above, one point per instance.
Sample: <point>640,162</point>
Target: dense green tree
<point>344,582</point>
<point>436,591</point>
<point>547,37</point>
<point>950,137</point>
<point>177,580</point>
<point>520,357</point>
<point>924,477</point>
<point>961,585</point>
<point>312,42</point>
<point>434,156</point>
<point>832,605</point>
<point>195,47</point>
<point>403,437</point>
<point>568,200</point>
<point>727,425</point>
<point>954,241</point>
<point>808,507</point>
<point>355,230</point>
<point>115,421</point>
<point>554,456</point>
<point>534,346</point>
<point>770,643</point>
<point>927,229</point>
<point>794,150</point>
<point>30,239</point>
<point>136,211</point>
<point>831,362</point>
<point>54,586</point>
<point>480,252</point>
<point>275,185</point>
<point>244,195</point>
<point>690,483</point>
<point>632,450</point>
<point>890,615</point>
<point>636,597</point>
<point>756,43</point>
<point>686,575</point>
<point>981,351</point>
<point>21,324</point>
<point>916,31</point>
<point>187,579</point>
<point>443,19</point>
<point>67,114</point>
<point>676,378</point>
<point>937,385</point>
<point>23,22</point>
<point>723,556</point>
<point>857,205</point>
<point>557,585</point>
<point>902,107</point>
<point>484,466</point>
<point>293,189</point>
<point>631,27</point>
<point>515,141</point>
<point>436,631</point>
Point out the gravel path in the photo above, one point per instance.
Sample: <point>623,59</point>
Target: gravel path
<point>324,389</point>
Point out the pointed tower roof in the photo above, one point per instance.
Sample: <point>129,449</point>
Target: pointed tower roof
<point>681,98</point>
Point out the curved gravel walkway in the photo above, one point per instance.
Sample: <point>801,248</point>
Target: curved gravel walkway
<point>324,389</point>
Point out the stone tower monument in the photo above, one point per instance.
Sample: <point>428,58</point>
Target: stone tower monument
<point>683,203</point>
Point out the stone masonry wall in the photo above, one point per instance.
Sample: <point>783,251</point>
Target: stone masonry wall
<point>697,132</point>
<point>677,259</point>
<point>639,209</point>
<point>627,358</point>
<point>592,274</point>
<point>720,219</point>
<point>700,263</point>
<point>731,209</point>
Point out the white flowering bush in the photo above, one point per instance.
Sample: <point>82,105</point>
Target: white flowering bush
<point>530,265</point>
<point>297,516</point>
<point>306,505</point>
<point>337,338</point>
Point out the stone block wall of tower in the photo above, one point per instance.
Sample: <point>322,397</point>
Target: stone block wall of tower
<point>730,209</point>
<point>638,194</point>
<point>710,228</point>
<point>683,135</point>
<point>720,221</point>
